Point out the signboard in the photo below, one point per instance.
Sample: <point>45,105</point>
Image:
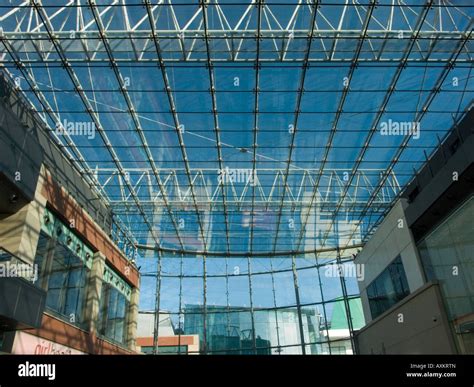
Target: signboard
<point>26,344</point>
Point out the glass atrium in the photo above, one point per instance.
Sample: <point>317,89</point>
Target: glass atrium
<point>246,148</point>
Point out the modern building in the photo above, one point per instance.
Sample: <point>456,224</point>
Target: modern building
<point>236,176</point>
<point>169,341</point>
<point>66,288</point>
<point>418,293</point>
<point>229,330</point>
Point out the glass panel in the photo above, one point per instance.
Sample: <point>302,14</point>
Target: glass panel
<point>309,287</point>
<point>113,314</point>
<point>388,288</point>
<point>65,282</point>
<point>295,109</point>
<point>288,329</point>
<point>446,254</point>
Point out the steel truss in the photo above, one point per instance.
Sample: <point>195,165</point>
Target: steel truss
<point>187,32</point>
<point>269,185</point>
<point>162,34</point>
<point>149,201</point>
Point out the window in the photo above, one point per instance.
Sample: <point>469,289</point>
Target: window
<point>113,314</point>
<point>63,270</point>
<point>66,285</point>
<point>388,288</point>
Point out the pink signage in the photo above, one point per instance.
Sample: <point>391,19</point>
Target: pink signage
<point>26,344</point>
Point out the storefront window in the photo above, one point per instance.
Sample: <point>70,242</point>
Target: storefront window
<point>63,271</point>
<point>66,285</point>
<point>113,314</point>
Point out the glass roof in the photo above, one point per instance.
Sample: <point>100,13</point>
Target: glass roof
<point>244,127</point>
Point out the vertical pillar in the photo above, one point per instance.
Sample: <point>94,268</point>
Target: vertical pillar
<point>20,231</point>
<point>346,301</point>
<point>93,292</point>
<point>156,329</point>
<point>133,320</point>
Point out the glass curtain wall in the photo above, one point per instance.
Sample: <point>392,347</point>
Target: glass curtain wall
<point>279,305</point>
<point>296,116</point>
<point>447,256</point>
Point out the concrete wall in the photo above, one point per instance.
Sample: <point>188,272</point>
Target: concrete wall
<point>385,245</point>
<point>416,325</point>
<point>94,291</point>
<point>19,232</point>
<point>132,322</point>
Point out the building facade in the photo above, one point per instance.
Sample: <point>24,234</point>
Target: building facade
<point>66,287</point>
<point>418,292</point>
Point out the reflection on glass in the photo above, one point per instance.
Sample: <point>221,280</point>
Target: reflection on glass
<point>388,288</point>
<point>113,314</point>
<point>260,313</point>
<point>446,254</point>
<point>63,275</point>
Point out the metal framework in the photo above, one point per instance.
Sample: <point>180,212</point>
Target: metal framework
<point>187,31</point>
<point>39,36</point>
<point>177,193</point>
<point>243,134</point>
